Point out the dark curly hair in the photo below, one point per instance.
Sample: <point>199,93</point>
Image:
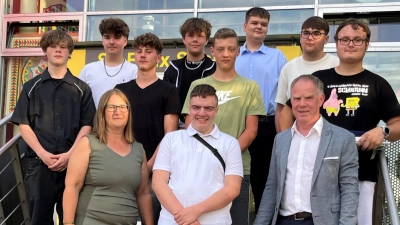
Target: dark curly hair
<point>196,25</point>
<point>114,26</point>
<point>148,40</point>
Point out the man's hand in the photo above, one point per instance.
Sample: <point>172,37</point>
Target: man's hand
<point>61,162</point>
<point>47,158</point>
<point>187,216</point>
<point>371,139</point>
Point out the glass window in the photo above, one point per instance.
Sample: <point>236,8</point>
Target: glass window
<point>386,65</point>
<point>163,25</point>
<point>122,5</point>
<point>27,35</point>
<point>43,6</point>
<point>241,3</point>
<point>354,1</point>
<point>383,29</point>
<point>282,21</point>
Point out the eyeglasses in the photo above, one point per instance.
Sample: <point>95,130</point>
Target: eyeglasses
<point>113,108</point>
<point>314,34</point>
<point>356,42</point>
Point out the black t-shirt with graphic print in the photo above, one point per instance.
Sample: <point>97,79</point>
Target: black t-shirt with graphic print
<point>358,103</point>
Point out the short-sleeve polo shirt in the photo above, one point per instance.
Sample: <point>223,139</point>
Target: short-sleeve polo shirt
<point>55,111</point>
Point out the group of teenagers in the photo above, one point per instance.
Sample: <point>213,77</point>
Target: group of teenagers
<point>118,142</point>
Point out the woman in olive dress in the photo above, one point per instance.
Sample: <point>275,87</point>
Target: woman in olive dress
<point>107,177</point>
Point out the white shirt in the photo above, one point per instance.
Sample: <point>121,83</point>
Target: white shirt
<point>195,172</point>
<point>298,66</point>
<point>299,170</point>
<point>99,82</point>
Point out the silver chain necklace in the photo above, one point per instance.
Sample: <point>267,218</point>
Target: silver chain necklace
<point>105,69</point>
<point>198,66</point>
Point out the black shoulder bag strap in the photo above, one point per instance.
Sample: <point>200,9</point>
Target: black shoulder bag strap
<point>213,150</point>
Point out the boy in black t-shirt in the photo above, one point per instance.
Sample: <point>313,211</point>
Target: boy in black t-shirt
<point>196,64</point>
<point>358,100</point>
<point>154,102</point>
<point>54,110</point>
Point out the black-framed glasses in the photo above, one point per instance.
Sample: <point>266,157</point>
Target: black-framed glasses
<point>314,34</point>
<point>113,108</point>
<point>356,42</point>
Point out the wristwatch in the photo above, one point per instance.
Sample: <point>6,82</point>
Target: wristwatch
<point>385,131</point>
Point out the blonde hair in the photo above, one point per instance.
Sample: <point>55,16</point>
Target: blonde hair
<point>99,124</point>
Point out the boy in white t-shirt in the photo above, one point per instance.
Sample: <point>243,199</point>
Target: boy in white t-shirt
<point>189,180</point>
<point>314,35</point>
<point>105,74</point>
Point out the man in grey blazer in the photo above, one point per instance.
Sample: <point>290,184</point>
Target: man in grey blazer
<point>313,177</point>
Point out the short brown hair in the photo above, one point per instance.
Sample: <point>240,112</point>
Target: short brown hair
<point>99,124</point>
<point>316,22</point>
<point>56,37</point>
<point>204,90</point>
<point>115,26</point>
<point>148,40</point>
<point>258,12</point>
<point>225,33</point>
<point>196,25</point>
<point>355,24</point>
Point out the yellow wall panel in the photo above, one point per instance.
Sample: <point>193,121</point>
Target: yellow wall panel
<point>290,52</point>
<point>77,61</point>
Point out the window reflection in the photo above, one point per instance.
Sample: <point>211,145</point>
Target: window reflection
<point>353,1</point>
<point>44,6</point>
<point>26,36</point>
<point>163,25</point>
<point>386,32</point>
<point>241,3</point>
<point>386,65</point>
<point>122,5</point>
<point>282,21</point>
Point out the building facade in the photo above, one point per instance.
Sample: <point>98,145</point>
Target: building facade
<point>24,21</point>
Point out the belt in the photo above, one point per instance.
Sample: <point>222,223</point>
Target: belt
<point>299,216</point>
<point>267,119</point>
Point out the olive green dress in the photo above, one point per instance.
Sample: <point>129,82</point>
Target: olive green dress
<point>108,195</point>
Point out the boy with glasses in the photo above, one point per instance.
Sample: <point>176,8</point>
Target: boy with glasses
<point>358,100</point>
<point>314,35</point>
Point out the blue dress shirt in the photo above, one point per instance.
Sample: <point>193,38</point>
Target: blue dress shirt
<point>263,66</point>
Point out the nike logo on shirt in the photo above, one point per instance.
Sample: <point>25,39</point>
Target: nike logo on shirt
<point>224,97</point>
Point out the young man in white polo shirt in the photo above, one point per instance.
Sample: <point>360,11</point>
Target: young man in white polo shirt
<point>192,184</point>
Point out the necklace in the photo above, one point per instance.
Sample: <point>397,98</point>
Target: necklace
<point>105,69</point>
<point>195,68</point>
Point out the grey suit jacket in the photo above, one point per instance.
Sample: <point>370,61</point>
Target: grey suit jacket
<point>334,191</point>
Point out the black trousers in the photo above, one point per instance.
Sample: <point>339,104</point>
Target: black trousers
<point>44,189</point>
<point>260,151</point>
